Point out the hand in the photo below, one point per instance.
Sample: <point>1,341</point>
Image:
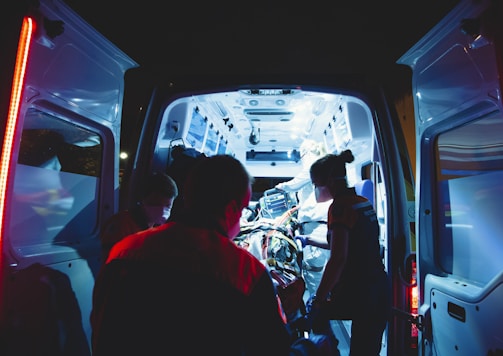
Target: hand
<point>303,240</point>
<point>311,302</point>
<point>312,312</point>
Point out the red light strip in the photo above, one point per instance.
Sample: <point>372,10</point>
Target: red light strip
<point>414,304</point>
<point>27,30</point>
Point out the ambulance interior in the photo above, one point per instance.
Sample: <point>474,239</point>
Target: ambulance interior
<point>264,129</point>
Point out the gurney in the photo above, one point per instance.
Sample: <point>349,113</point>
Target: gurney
<point>270,236</point>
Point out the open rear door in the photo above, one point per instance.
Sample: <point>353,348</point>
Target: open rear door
<point>457,71</point>
<point>61,105</point>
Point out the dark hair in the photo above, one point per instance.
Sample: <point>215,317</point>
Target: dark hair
<point>183,160</point>
<point>331,166</point>
<point>162,184</point>
<point>214,182</point>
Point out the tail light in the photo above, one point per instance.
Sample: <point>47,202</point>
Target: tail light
<point>27,30</point>
<point>413,301</point>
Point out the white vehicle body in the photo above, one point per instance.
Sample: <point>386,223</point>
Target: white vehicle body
<point>459,135</point>
<point>77,140</point>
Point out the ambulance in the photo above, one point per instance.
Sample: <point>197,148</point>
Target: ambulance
<point>82,125</point>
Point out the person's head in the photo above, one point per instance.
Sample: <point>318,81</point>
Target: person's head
<point>310,150</point>
<point>328,175</point>
<point>160,190</point>
<point>219,187</point>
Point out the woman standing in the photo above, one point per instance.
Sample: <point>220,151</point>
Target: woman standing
<point>354,284</point>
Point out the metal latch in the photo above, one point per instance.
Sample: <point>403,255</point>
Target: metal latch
<point>416,319</point>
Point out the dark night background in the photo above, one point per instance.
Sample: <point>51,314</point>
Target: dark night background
<point>257,37</point>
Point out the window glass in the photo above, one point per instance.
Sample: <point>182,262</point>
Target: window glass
<point>470,199</point>
<point>197,130</point>
<point>342,134</point>
<point>55,184</point>
<point>222,146</point>
<point>330,139</point>
<point>211,142</point>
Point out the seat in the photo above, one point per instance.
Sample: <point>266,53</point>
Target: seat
<point>365,188</point>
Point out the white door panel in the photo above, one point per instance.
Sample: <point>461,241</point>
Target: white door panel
<point>459,127</point>
<point>59,179</point>
<point>471,311</point>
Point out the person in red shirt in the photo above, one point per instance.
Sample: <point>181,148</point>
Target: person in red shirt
<point>185,286</point>
<point>160,191</point>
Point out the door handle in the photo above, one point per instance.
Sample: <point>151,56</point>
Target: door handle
<point>456,311</point>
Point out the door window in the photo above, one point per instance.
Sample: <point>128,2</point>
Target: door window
<point>470,199</point>
<point>55,184</point>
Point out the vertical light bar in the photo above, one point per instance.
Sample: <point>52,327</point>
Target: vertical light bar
<point>414,305</point>
<point>27,30</point>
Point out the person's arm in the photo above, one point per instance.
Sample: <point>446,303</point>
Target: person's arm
<point>339,244</point>
<point>295,183</point>
<point>267,322</point>
<point>320,242</point>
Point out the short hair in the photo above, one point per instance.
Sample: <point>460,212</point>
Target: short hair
<point>162,184</point>
<point>215,181</point>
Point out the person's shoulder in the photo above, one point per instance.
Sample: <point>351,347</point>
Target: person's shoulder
<point>356,201</point>
<point>243,268</point>
<point>348,199</point>
<point>126,247</point>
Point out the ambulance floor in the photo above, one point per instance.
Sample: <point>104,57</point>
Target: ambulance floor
<point>342,330</point>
